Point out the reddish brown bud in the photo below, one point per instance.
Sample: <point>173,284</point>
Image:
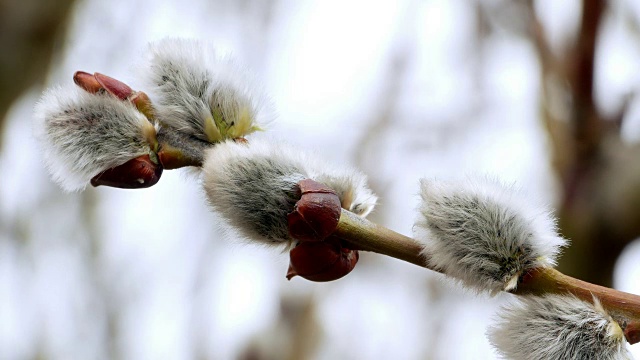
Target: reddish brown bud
<point>87,81</point>
<point>632,332</point>
<point>136,173</point>
<point>115,87</point>
<point>321,261</point>
<point>93,83</point>
<point>99,82</point>
<point>316,215</point>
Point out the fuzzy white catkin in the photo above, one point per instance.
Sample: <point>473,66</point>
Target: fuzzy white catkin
<point>558,327</point>
<point>84,134</point>
<point>253,186</point>
<point>483,233</point>
<point>200,94</point>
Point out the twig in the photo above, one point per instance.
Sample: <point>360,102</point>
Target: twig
<point>368,236</point>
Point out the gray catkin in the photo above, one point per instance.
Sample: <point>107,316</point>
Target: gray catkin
<point>558,327</point>
<point>84,134</point>
<point>254,186</point>
<point>484,234</point>
<point>189,83</point>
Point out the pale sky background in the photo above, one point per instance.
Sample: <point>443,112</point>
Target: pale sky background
<point>160,272</point>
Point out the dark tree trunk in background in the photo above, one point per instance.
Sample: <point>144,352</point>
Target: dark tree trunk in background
<point>596,208</point>
<point>30,32</point>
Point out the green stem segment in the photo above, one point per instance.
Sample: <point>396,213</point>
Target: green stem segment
<point>623,307</point>
<point>368,236</point>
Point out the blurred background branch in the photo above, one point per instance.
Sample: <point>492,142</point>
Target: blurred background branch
<point>31,31</point>
<point>584,140</point>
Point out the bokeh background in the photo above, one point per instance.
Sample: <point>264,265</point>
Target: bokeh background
<point>542,94</point>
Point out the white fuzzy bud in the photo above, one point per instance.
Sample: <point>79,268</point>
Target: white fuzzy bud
<point>558,327</point>
<point>85,134</point>
<point>200,94</point>
<point>254,186</point>
<point>484,234</point>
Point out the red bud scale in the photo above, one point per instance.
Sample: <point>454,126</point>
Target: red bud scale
<point>318,256</point>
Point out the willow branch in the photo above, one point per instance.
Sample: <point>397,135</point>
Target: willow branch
<point>368,236</point>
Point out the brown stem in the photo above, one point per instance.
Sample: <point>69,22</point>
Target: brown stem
<point>368,236</point>
<point>622,306</point>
